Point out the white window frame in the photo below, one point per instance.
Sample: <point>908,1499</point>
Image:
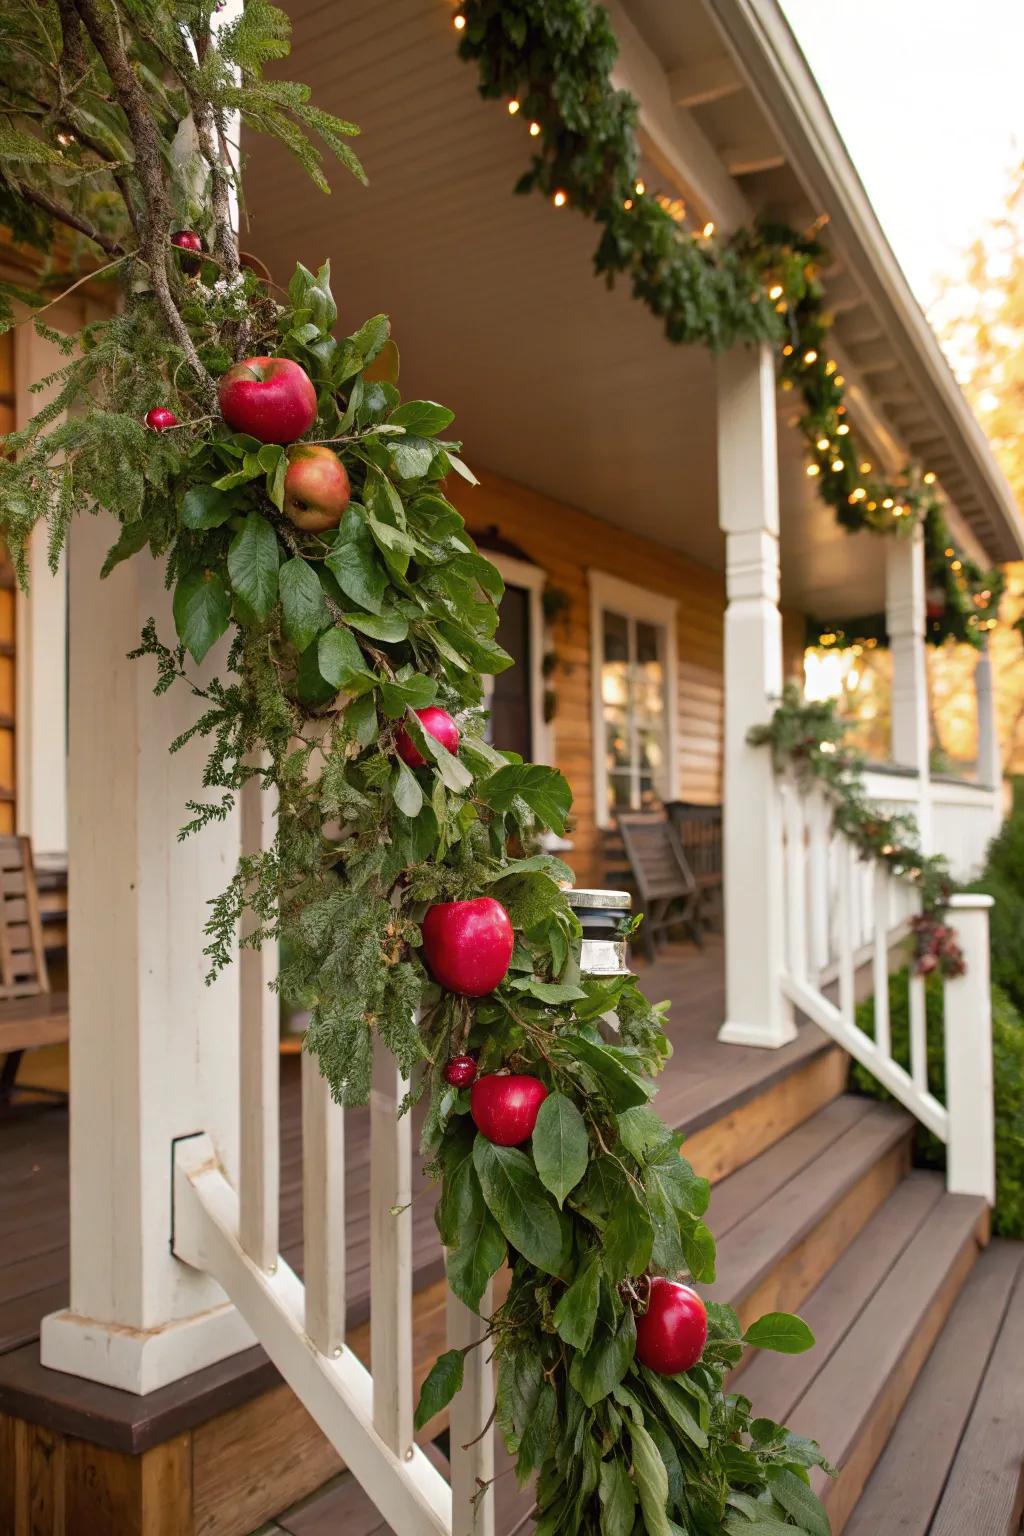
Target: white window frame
<point>610,593</point>
<point>523,573</point>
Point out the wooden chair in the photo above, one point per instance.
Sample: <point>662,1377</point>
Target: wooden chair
<point>664,883</point>
<point>30,1014</point>
<point>700,834</point>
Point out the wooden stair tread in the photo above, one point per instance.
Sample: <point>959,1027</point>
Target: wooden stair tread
<point>932,1424</point>
<point>780,1210</point>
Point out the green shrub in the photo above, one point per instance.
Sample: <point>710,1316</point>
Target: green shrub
<point>1008,1062</point>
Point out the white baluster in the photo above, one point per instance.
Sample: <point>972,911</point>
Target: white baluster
<point>471,1441</point>
<point>970,1153</point>
<point>323,1210</point>
<point>796,896</point>
<point>917,1002</point>
<point>881,959</point>
<point>259,1066</point>
<point>845,905</point>
<point>390,1255</point>
<point>819,819</point>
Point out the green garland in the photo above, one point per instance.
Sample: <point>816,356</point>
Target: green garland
<point>807,740</point>
<point>554,62</point>
<point>335,639</point>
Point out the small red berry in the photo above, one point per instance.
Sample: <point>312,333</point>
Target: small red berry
<point>191,247</point>
<point>460,1071</point>
<point>160,418</point>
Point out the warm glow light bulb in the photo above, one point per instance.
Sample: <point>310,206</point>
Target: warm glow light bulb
<point>708,230</point>
<point>775,292</point>
<point>810,356</point>
<point>628,204</point>
<point>458,22</point>
<point>534,130</point>
<point>559,199</point>
<point>813,469</point>
<point>823,443</point>
<point>513,108</point>
<point>842,430</point>
<point>640,188</point>
<point>865,468</point>
<point>929,478</point>
<point>837,464</point>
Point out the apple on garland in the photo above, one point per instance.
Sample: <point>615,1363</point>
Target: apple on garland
<point>672,1333</point>
<point>316,488</point>
<point>467,945</point>
<point>271,398</point>
<point>437,723</point>
<point>160,419</point>
<point>505,1106</point>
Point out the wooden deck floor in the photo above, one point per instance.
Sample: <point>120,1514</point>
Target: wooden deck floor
<point>702,1078</point>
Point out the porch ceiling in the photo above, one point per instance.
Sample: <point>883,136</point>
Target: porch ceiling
<point>556,382</point>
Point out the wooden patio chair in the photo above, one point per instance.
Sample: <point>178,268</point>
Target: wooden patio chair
<point>662,878</point>
<point>30,1014</point>
<point>700,833</point>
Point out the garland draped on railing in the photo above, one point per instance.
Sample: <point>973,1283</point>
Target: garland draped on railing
<point>807,740</point>
<point>298,504</point>
<point>552,64</point>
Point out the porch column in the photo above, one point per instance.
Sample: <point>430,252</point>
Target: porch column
<point>748,494</point>
<point>154,1051</point>
<point>905,621</point>
<point>990,756</point>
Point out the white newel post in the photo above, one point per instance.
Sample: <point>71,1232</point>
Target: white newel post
<point>990,756</point>
<point>154,1051</point>
<point>905,621</point>
<point>748,490</point>
<point>970,1152</point>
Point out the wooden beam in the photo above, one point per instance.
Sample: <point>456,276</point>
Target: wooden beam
<point>695,85</point>
<point>748,159</point>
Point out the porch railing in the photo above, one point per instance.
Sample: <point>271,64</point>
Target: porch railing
<point>962,816</point>
<point>231,1234</point>
<point>845,920</point>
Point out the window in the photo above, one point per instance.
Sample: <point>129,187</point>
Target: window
<point>634,664</point>
<point>515,697</point>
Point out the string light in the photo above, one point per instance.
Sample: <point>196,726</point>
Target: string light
<point>640,188</point>
<point>776,291</point>
<point>534,130</point>
<point>840,381</point>
<point>842,430</point>
<point>929,478</point>
<point>708,230</point>
<point>560,199</point>
<point>887,503</point>
<point>956,565</point>
<point>628,204</point>
<point>810,356</point>
<point>513,107</point>
<point>822,443</point>
<point>837,465</point>
<point>787,350</point>
<point>813,469</point>
<point>830,367</point>
<point>949,553</point>
<point>865,468</point>
<point>458,21</point>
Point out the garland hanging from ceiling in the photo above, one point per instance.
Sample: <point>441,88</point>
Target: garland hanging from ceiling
<point>552,64</point>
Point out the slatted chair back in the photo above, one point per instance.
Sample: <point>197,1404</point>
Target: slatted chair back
<point>700,832</point>
<point>23,970</point>
<point>661,876</point>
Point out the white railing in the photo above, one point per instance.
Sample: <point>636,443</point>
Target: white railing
<point>961,817</point>
<point>231,1234</point>
<point>846,920</point>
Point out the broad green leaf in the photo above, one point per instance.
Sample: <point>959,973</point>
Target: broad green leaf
<point>313,688</point>
<point>394,544</point>
<point>764,1525</point>
<point>133,537</point>
<point>618,1499</point>
<point>545,791</point>
<point>799,1501</point>
<point>554,993</point>
<point>361,720</point>
<point>370,337</point>
<point>475,1243</point>
<point>522,1206</point>
<point>560,1145</point>
<point>530,895</point>
<point>643,1131</point>
<point>622,1087</point>
<point>628,1236</point>
<point>781,1331</point>
<point>576,1312</point>
<point>303,607</point>
<point>385,367</point>
<point>389,627</point>
<point>441,1385</point>
<point>462,469</point>
<point>536,1436</point>
<point>201,611</point>
<point>606,1361</point>
<point>253,560</point>
<point>406,790</point>
<point>341,661</point>
<point>411,457</point>
<point>651,1481</point>
<point>355,565</point>
<point>520,1375</point>
<point>423,417</point>
<point>676,1405</point>
<point>205,507</point>
<point>454,774</point>
<point>413,693</point>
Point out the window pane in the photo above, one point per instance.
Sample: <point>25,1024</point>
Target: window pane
<point>647,648</point>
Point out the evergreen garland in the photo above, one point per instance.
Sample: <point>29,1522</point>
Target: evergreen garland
<point>335,640</point>
<point>554,62</point>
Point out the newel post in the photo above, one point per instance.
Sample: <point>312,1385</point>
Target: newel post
<point>990,757</point>
<point>757,1013</point>
<point>970,1152</point>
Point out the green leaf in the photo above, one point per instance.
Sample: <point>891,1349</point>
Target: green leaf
<point>354,564</point>
<point>201,611</point>
<point>628,1235</point>
<point>560,1145</point>
<point>406,790</point>
<point>521,1206</point>
<point>253,560</point>
<point>536,1436</point>
<point>651,1481</point>
<point>798,1500</point>
<point>781,1331</point>
<point>389,627</point>
<point>545,791</point>
<point>370,337</point>
<point>475,1243</point>
<point>675,1403</point>
<point>133,537</point>
<point>413,693</point>
<point>605,1363</point>
<point>618,1499</point>
<point>441,1385</point>
<point>576,1312</point>
<point>302,602</point>
<point>454,774</point>
<point>205,507</point>
<point>411,457</point>
<point>621,1086</point>
<point>341,660</point>
<point>422,417</point>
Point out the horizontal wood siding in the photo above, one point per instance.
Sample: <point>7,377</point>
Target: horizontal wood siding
<point>567,544</point>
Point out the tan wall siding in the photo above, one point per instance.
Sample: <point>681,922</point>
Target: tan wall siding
<point>567,543</point>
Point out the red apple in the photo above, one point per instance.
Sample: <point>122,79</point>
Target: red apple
<point>191,247</point>
<point>505,1106</point>
<point>671,1335</point>
<point>460,1071</point>
<point>160,418</point>
<point>468,944</point>
<point>271,398</point>
<point>316,488</point>
<point>437,723</point>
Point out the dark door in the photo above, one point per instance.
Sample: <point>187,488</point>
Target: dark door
<point>511,716</point>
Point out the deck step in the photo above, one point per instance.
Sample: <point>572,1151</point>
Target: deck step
<point>849,1392</point>
<point>962,1429</point>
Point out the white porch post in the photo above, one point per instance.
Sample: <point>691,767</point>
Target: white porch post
<point>990,756</point>
<point>905,621</point>
<point>748,491</point>
<point>154,1051</point>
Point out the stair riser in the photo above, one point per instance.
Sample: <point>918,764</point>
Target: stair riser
<point>840,1494</point>
<point>730,1143</point>
<point>799,1271</point>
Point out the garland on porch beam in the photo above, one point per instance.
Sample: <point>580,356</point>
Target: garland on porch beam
<point>298,504</point>
<point>808,741</point>
<point>552,64</point>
